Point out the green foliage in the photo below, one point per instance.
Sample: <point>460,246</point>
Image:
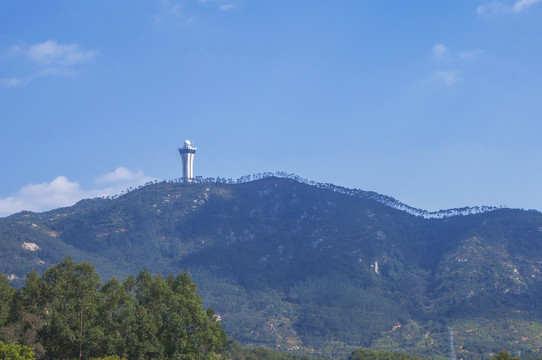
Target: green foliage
<point>15,352</point>
<point>284,265</point>
<point>71,300</point>
<point>67,313</point>
<point>504,355</point>
<point>236,352</point>
<point>7,296</point>
<point>337,309</point>
<point>366,354</point>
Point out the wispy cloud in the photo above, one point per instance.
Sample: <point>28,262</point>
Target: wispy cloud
<point>48,58</point>
<point>172,7</point>
<point>445,57</point>
<point>120,174</point>
<point>52,53</point>
<point>11,51</point>
<point>493,7</point>
<point>471,54</point>
<point>439,50</point>
<point>448,77</point>
<point>63,192</point>
<point>498,7</point>
<point>15,81</point>
<point>522,5</point>
<point>223,6</point>
<point>173,13</point>
<point>227,7</point>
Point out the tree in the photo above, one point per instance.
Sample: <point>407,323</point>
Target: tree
<point>368,354</point>
<point>69,314</point>
<point>7,296</point>
<point>197,333</point>
<point>172,321</point>
<point>504,355</point>
<point>32,294</point>
<point>15,352</point>
<point>71,296</point>
<point>114,300</point>
<point>26,316</point>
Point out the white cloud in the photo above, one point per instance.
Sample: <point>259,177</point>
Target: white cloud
<point>12,51</point>
<point>471,55</point>
<point>52,53</point>
<point>448,77</point>
<point>63,192</point>
<point>173,13</point>
<point>499,7</point>
<point>227,7</point>
<point>452,58</point>
<point>15,81</point>
<point>36,197</point>
<point>524,5</point>
<point>172,7</point>
<point>49,57</point>
<point>120,174</point>
<point>439,50</point>
<point>223,7</point>
<point>493,7</point>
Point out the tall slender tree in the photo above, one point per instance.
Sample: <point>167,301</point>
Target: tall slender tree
<point>7,296</point>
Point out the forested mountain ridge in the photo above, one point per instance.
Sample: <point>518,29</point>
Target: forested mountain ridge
<point>302,267</point>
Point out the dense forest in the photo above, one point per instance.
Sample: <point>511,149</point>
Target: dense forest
<point>314,269</point>
<point>67,313</point>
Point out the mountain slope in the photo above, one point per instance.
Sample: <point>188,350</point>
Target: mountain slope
<point>303,267</point>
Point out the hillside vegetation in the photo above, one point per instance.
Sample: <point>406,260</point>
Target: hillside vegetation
<point>310,269</point>
<point>67,313</point>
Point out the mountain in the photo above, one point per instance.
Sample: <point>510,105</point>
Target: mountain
<point>311,267</point>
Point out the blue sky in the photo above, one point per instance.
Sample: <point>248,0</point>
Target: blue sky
<point>436,103</point>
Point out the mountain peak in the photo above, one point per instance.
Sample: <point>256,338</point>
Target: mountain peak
<point>292,263</point>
